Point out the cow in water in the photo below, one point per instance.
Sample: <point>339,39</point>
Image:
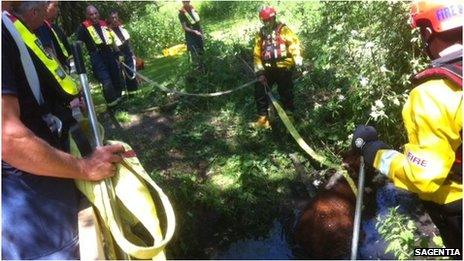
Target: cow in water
<point>325,227</point>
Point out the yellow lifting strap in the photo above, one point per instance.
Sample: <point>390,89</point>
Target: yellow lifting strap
<point>291,128</point>
<point>136,193</point>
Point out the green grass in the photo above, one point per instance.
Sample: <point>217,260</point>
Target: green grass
<point>225,180</point>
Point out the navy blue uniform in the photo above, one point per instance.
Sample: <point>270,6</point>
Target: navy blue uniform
<point>127,51</point>
<point>104,65</point>
<point>39,214</point>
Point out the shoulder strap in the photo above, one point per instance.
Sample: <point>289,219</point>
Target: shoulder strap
<point>26,60</point>
<point>279,28</point>
<point>448,59</point>
<point>32,78</point>
<point>448,67</point>
<point>57,39</point>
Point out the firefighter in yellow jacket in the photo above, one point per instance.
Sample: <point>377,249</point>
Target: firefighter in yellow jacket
<point>275,56</point>
<point>430,165</point>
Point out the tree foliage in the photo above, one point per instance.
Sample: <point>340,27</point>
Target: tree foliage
<point>363,55</point>
<point>157,29</point>
<point>73,12</point>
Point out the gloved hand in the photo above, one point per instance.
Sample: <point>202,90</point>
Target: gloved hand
<point>366,142</point>
<point>121,58</point>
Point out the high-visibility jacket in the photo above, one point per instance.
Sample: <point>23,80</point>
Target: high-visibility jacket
<point>124,33</point>
<point>109,37</point>
<point>433,119</point>
<point>55,35</point>
<point>66,82</point>
<point>277,48</point>
<point>121,38</point>
<point>191,16</point>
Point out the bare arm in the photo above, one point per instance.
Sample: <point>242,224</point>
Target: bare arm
<point>22,149</point>
<point>190,30</point>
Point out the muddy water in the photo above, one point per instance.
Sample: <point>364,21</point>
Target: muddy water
<point>274,246</point>
<point>372,246</point>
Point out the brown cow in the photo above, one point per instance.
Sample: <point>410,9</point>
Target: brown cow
<point>325,228</point>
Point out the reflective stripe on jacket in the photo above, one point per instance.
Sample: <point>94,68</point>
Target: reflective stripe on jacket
<point>433,119</point>
<point>67,83</point>
<point>62,48</point>
<point>124,32</point>
<point>115,38</point>
<point>108,39</point>
<point>283,49</point>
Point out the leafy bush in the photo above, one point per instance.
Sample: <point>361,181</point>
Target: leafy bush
<point>218,10</point>
<point>157,29</point>
<point>369,54</point>
<point>401,234</point>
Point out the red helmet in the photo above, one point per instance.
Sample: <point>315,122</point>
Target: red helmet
<point>441,15</point>
<point>267,13</point>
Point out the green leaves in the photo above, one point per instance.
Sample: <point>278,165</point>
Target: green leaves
<point>401,234</point>
<point>370,48</point>
<point>158,28</point>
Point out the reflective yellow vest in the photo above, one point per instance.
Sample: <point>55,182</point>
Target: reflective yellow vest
<point>66,82</point>
<point>63,49</point>
<point>108,38</point>
<point>191,16</point>
<point>124,32</point>
<point>115,38</point>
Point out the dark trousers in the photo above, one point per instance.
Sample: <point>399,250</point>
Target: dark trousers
<point>448,219</point>
<point>131,81</point>
<point>39,216</point>
<point>108,73</point>
<point>195,46</point>
<point>283,78</point>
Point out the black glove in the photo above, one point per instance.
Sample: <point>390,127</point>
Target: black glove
<point>366,142</point>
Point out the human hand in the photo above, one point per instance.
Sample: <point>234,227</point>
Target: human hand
<point>121,58</point>
<point>198,33</point>
<point>78,103</point>
<point>75,103</point>
<point>102,162</point>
